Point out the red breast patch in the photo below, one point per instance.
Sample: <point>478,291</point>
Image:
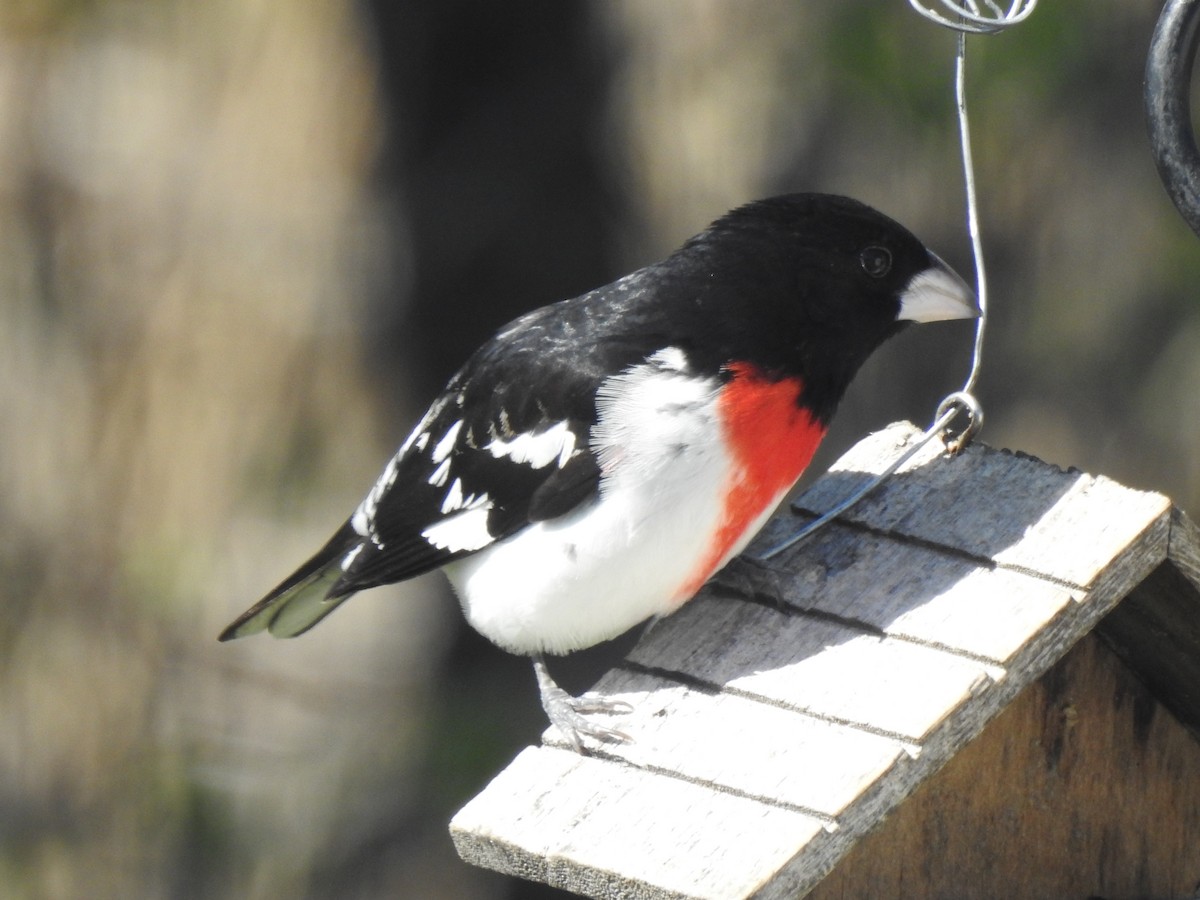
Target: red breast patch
<point>771,440</point>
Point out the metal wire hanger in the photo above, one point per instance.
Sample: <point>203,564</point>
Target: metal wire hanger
<point>967,17</point>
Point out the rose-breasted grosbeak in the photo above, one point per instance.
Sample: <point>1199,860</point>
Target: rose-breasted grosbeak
<point>595,462</point>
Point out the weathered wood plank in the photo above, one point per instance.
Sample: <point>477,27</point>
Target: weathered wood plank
<point>1157,631</point>
<point>915,591</point>
<point>716,738</point>
<point>814,665</point>
<point>852,668</point>
<point>606,830</point>
<point>1184,547</point>
<point>992,504</point>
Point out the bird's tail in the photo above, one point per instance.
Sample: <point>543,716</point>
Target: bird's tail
<point>303,599</point>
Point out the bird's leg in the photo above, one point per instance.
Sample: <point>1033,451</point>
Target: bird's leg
<point>569,713</point>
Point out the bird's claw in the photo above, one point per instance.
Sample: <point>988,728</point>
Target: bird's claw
<point>569,714</point>
<point>574,727</point>
<point>592,703</point>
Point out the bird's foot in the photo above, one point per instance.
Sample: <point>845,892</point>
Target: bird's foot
<point>569,714</point>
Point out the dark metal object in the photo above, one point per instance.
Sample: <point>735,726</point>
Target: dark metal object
<point>1168,105</point>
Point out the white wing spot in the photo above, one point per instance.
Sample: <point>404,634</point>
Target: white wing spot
<point>455,499</point>
<point>420,434</point>
<point>441,474</point>
<point>349,558</point>
<point>446,444</point>
<point>363,520</point>
<point>670,358</point>
<point>465,530</point>
<point>555,444</point>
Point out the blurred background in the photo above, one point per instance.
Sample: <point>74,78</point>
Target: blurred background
<point>242,242</point>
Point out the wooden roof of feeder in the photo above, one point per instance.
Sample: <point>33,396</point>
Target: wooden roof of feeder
<point>777,723</point>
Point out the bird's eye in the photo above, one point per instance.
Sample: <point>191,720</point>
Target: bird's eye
<point>876,261</point>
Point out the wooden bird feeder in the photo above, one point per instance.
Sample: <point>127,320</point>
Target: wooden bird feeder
<point>981,681</point>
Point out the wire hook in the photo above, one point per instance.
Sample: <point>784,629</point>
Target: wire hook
<point>960,400</point>
<point>1168,105</point>
<point>974,17</point>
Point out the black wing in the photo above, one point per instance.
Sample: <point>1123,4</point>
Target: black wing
<point>505,445</point>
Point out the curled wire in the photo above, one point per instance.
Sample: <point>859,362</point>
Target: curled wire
<point>974,17</point>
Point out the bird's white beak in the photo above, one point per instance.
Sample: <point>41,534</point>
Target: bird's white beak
<point>937,294</point>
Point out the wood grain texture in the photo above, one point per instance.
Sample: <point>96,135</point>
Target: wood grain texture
<point>612,831</point>
<point>990,504</point>
<point>715,738</point>
<point>817,666</point>
<point>1156,630</point>
<point>1184,547</point>
<point>823,687</point>
<point>1083,787</point>
<point>916,592</point>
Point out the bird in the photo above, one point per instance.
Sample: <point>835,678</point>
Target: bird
<point>592,465</point>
